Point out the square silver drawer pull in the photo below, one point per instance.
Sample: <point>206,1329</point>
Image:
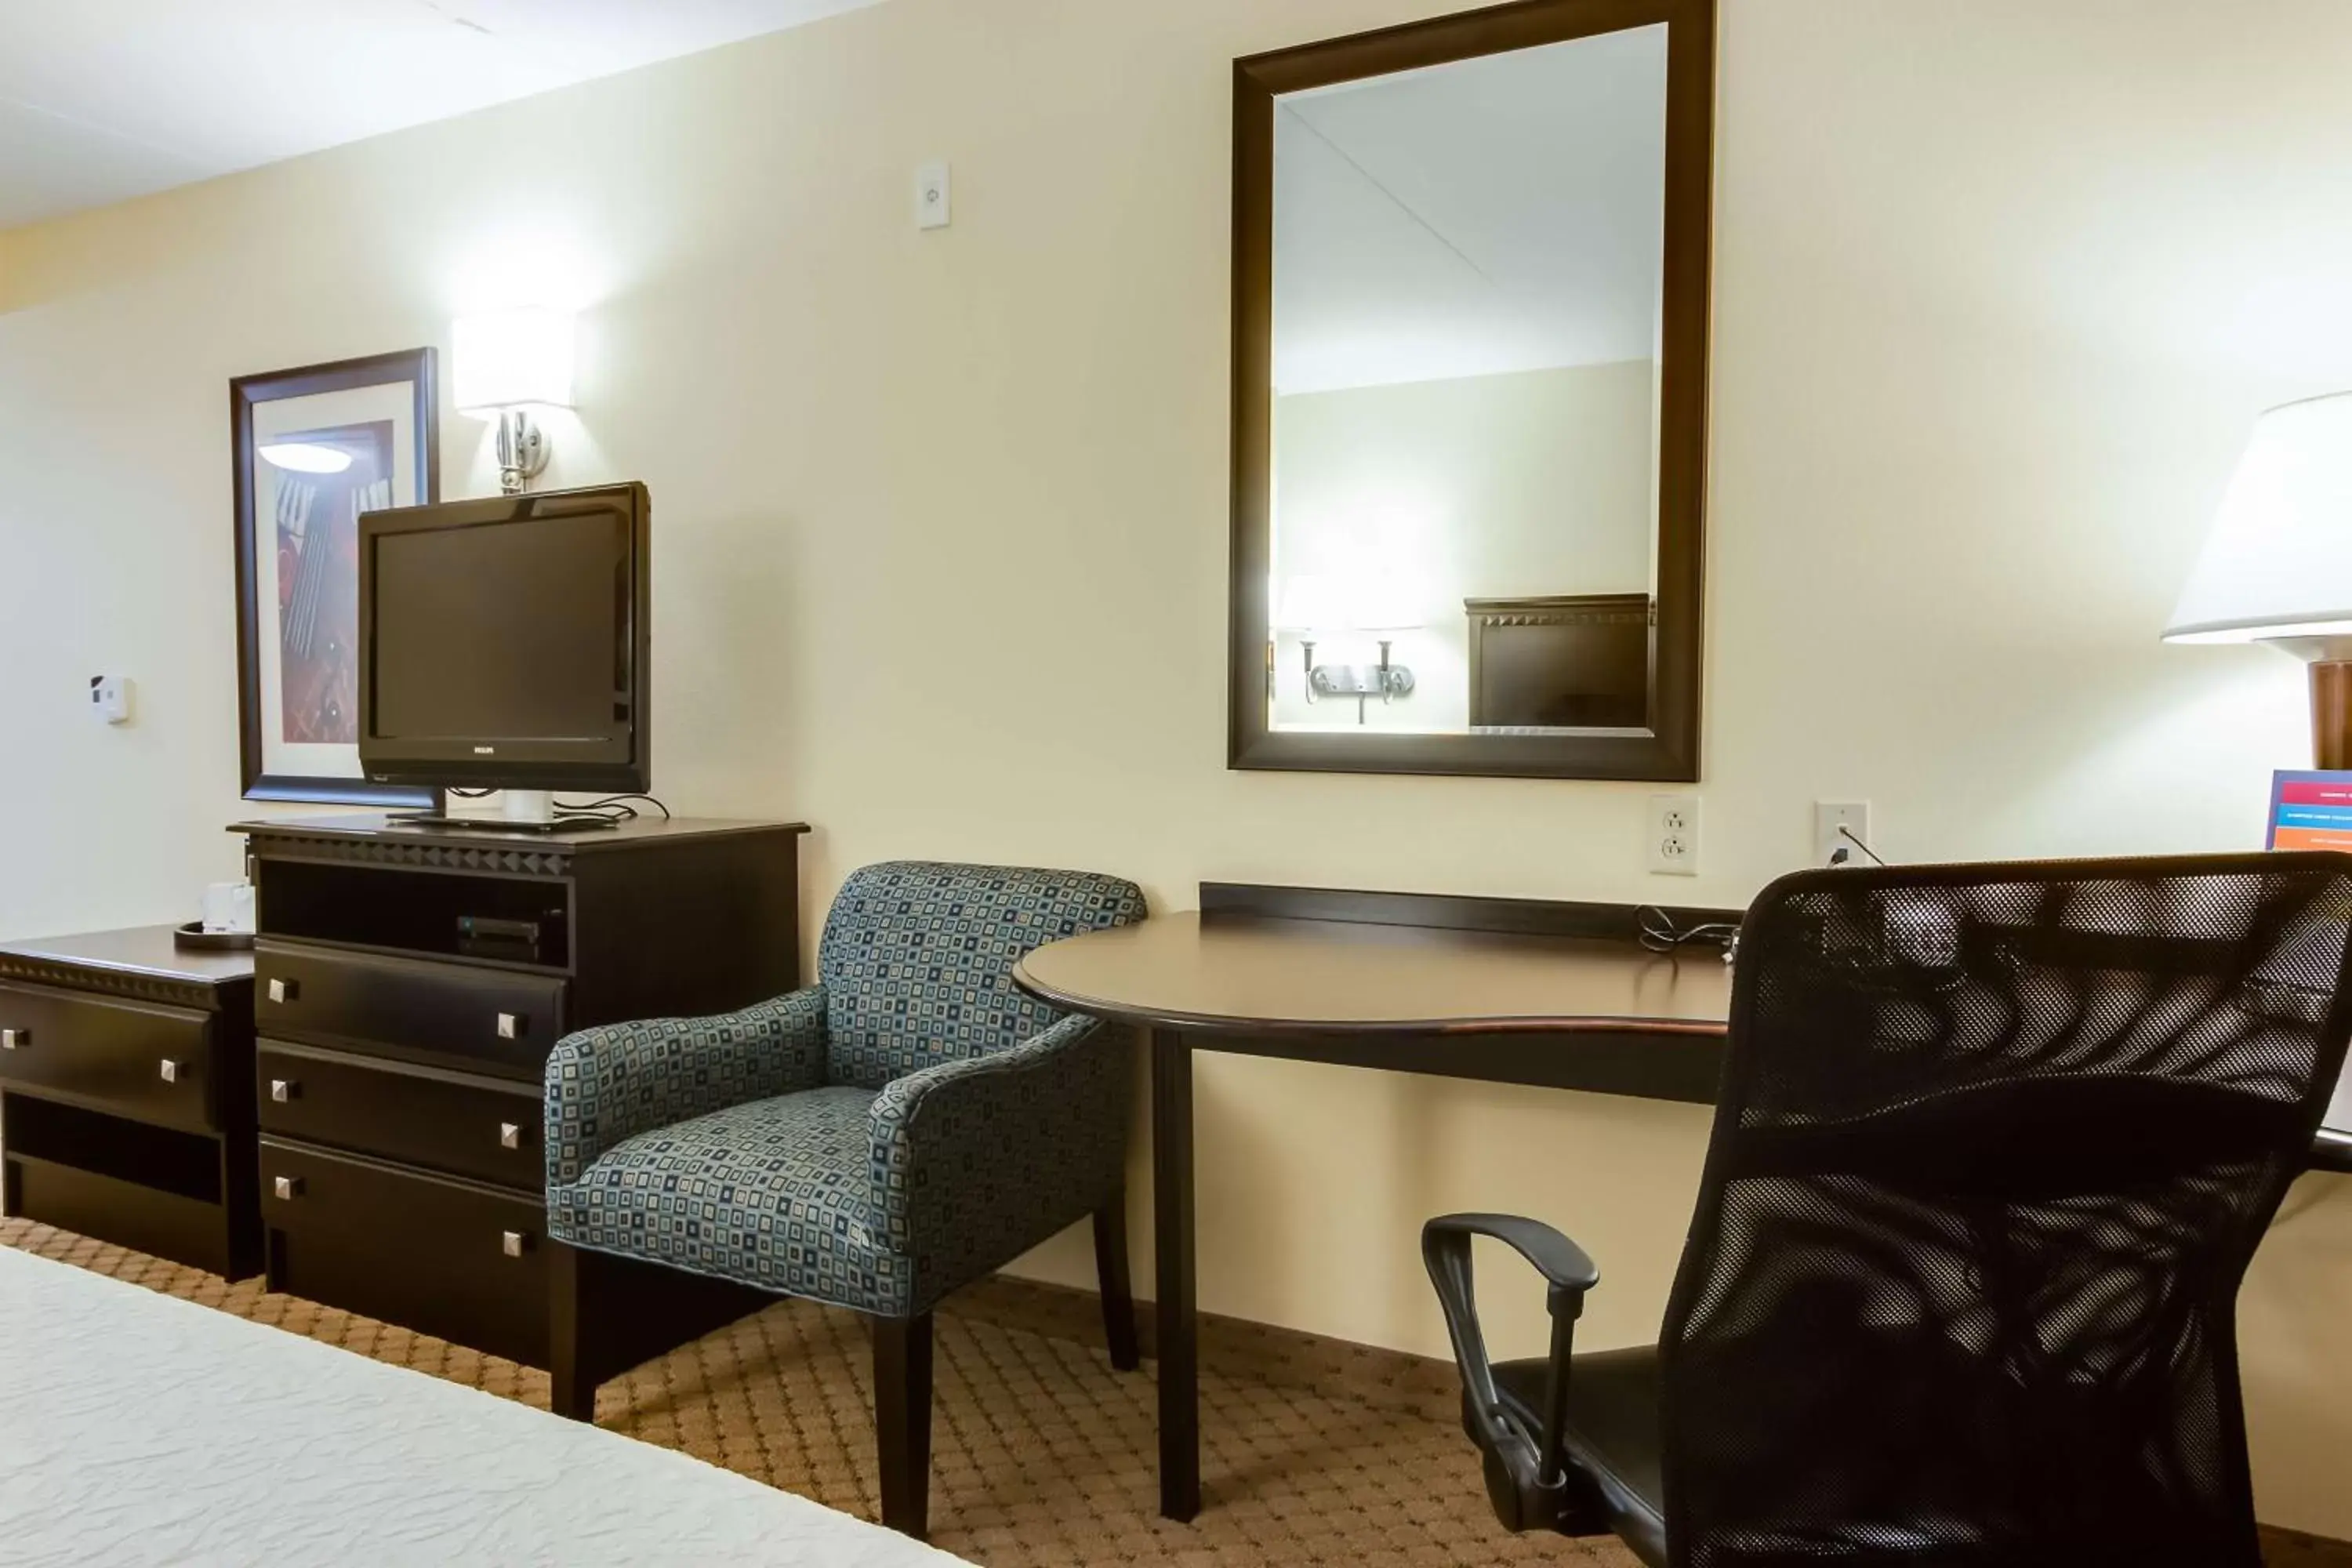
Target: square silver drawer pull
<point>170,1071</point>
<point>510,1026</point>
<point>287,1186</point>
<point>284,990</point>
<point>514,1243</point>
<point>14,1039</point>
<point>509,1135</point>
<point>282,1089</point>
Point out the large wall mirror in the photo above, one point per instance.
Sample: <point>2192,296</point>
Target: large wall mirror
<point>1470,331</point>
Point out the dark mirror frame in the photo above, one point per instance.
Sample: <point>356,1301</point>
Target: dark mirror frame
<point>1670,749</point>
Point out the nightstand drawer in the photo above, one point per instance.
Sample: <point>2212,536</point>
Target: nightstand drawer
<point>452,1010</point>
<point>138,1060</point>
<point>443,1257</point>
<point>480,1127</point>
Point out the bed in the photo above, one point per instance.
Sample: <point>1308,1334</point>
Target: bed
<point>136,1428</point>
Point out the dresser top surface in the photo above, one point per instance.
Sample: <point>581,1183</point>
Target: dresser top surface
<point>380,827</point>
<point>141,951</point>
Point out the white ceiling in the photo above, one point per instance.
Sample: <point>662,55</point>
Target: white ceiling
<point>1495,214</point>
<point>104,99</point>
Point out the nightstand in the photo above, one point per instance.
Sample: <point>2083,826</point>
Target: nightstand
<point>126,1107</point>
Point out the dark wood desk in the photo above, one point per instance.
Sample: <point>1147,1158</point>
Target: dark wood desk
<point>1509,991</point>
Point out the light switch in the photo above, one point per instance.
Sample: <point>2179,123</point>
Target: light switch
<point>933,205</point>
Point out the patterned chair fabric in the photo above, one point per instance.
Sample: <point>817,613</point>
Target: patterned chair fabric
<point>905,1126</point>
<point>918,961</point>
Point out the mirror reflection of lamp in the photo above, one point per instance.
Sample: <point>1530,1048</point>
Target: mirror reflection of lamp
<point>1315,607</point>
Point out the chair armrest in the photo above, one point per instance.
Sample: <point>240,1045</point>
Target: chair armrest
<point>611,1083</point>
<point>976,1161</point>
<point>1567,1268</point>
<point>1533,1460</point>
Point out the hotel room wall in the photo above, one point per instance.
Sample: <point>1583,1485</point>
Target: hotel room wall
<point>2000,285</point>
<point>1476,487</point>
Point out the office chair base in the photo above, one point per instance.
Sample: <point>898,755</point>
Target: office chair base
<point>1566,1507</point>
<point>1560,1507</point>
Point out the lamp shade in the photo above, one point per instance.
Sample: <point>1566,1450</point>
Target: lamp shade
<point>1387,601</point>
<point>1311,602</point>
<point>1379,602</point>
<point>2278,562</point>
<point>514,359</point>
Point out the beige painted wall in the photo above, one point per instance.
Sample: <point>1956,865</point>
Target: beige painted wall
<point>1999,285</point>
<point>1536,482</point>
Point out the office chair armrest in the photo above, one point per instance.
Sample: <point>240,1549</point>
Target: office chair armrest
<point>1566,1267</point>
<point>1534,1477</point>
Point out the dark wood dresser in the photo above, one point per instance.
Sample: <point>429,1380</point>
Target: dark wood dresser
<point>124,1113</point>
<point>408,986</point>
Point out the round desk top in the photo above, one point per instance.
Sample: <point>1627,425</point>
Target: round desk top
<point>1265,976</point>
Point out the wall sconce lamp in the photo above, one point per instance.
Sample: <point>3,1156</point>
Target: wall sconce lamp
<point>1315,607</point>
<point>2277,566</point>
<point>509,364</point>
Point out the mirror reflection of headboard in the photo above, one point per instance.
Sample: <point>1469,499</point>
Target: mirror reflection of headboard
<point>1561,661</point>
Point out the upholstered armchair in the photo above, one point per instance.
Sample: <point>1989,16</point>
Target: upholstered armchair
<point>904,1127</point>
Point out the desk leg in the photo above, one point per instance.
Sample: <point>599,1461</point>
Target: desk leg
<point>1171,1199</point>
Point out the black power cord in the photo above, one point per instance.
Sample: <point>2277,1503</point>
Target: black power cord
<point>1661,932</point>
<point>613,808</point>
<point>1841,855</point>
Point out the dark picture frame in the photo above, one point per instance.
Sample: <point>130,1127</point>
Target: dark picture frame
<point>1668,749</point>
<point>264,646</point>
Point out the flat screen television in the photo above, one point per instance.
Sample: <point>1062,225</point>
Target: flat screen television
<point>505,643</point>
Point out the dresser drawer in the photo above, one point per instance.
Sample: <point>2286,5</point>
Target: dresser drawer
<point>136,1060</point>
<point>452,1010</point>
<point>481,1127</point>
<point>443,1257</point>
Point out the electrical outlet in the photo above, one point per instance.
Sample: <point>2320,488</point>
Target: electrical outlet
<point>1832,819</point>
<point>1673,835</point>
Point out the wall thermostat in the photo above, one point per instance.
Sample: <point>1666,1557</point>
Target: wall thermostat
<point>109,698</point>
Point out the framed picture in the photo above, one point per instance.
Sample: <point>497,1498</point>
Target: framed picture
<point>313,449</point>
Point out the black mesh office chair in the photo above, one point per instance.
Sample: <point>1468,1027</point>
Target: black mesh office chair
<point>1994,1147</point>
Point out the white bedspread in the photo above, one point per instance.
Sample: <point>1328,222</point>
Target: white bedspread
<point>135,1428</point>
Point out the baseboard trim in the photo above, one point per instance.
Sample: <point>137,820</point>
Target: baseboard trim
<point>2296,1548</point>
<point>1230,1347</point>
<point>1368,1375</point>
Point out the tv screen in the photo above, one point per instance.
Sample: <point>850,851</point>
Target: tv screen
<point>505,631</point>
<point>503,641</point>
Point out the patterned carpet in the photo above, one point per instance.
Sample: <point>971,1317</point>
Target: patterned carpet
<point>1314,1453</point>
